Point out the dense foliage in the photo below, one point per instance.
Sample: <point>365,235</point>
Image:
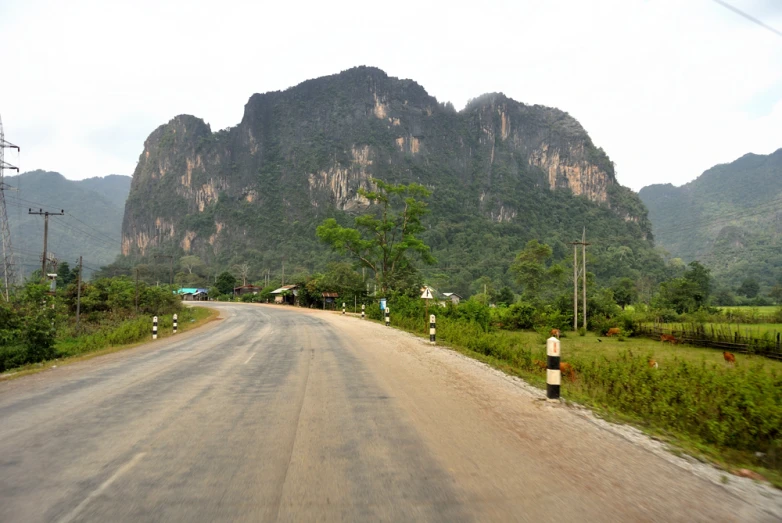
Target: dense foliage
<point>386,236</point>
<point>36,325</point>
<point>728,218</point>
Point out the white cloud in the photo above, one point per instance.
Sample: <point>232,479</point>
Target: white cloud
<point>667,88</point>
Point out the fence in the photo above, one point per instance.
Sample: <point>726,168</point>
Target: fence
<point>722,338</point>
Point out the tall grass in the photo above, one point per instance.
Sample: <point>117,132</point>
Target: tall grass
<point>125,332</point>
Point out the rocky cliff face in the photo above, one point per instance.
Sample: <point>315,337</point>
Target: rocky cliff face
<point>302,154</point>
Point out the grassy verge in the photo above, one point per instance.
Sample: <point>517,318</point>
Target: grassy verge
<point>693,400</point>
<point>114,338</point>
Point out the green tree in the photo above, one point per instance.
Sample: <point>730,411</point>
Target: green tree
<point>700,276</point>
<point>64,274</point>
<point>530,268</point>
<point>625,292</point>
<point>225,282</point>
<point>679,294</point>
<point>505,296</point>
<point>191,263</point>
<point>386,238</point>
<point>749,288</point>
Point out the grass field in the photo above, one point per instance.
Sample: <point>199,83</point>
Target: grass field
<point>726,330</point>
<point>770,309</point>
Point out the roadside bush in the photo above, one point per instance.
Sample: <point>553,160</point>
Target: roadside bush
<point>739,408</point>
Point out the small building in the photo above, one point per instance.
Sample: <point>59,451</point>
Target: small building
<point>287,295</point>
<point>193,294</point>
<point>247,289</point>
<point>455,298</point>
<point>329,298</point>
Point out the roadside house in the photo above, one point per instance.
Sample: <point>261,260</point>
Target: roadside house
<point>193,294</point>
<point>455,298</point>
<point>247,289</point>
<point>286,295</point>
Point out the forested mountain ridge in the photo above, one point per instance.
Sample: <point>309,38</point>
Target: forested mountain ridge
<point>91,226</point>
<point>501,172</point>
<point>729,218</point>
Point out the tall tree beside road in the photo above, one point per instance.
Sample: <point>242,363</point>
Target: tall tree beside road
<point>386,237</point>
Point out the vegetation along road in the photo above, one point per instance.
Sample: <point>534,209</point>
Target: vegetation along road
<point>282,414</point>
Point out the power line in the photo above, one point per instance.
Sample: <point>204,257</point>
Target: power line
<point>749,17</point>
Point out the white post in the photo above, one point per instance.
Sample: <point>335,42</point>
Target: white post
<point>343,308</point>
<point>553,374</point>
<point>175,321</point>
<point>388,316</point>
<point>432,329</point>
<point>362,311</point>
<point>154,328</point>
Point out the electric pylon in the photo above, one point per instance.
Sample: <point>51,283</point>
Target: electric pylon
<point>9,272</point>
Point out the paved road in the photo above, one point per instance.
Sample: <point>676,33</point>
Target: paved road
<point>277,414</point>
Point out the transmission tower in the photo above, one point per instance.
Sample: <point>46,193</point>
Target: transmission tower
<point>9,273</point>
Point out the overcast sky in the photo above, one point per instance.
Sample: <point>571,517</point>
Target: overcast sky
<point>668,88</point>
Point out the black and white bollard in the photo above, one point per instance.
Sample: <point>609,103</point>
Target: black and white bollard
<point>154,328</point>
<point>553,374</point>
<point>388,316</point>
<point>175,320</point>
<point>343,308</point>
<point>432,329</point>
<point>362,311</point>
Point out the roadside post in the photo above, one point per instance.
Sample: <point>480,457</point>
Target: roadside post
<point>553,374</point>
<point>343,308</point>
<point>426,295</point>
<point>175,321</point>
<point>362,311</point>
<point>154,328</point>
<point>432,329</point>
<point>388,316</point>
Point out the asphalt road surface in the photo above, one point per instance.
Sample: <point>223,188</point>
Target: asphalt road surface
<point>281,414</point>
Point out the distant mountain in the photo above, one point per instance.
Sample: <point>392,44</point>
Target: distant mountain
<point>501,173</point>
<point>729,218</point>
<point>91,226</point>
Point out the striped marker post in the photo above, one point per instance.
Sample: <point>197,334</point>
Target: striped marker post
<point>362,311</point>
<point>553,374</point>
<point>343,308</point>
<point>432,329</point>
<point>154,328</point>
<point>388,316</point>
<point>175,320</point>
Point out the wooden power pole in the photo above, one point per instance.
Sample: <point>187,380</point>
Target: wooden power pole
<point>575,287</point>
<point>78,295</point>
<point>45,215</point>
<point>583,243</point>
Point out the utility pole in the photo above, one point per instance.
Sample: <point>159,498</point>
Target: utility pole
<point>78,295</point>
<point>575,287</point>
<point>583,243</point>
<point>5,231</point>
<point>171,268</point>
<point>45,215</point>
<point>584,272</point>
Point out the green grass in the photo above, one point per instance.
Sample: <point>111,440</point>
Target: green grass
<point>694,400</point>
<point>765,309</point>
<point>111,338</point>
<point>747,330</point>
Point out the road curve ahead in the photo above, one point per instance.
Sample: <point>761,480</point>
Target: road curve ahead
<point>281,414</point>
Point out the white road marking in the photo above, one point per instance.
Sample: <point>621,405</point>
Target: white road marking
<point>98,491</point>
<point>248,359</point>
